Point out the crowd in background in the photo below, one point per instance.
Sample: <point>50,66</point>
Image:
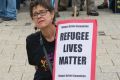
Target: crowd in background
<point>8,8</point>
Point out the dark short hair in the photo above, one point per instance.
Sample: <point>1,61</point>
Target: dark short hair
<point>44,3</point>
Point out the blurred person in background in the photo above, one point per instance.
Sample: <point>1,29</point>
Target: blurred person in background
<point>7,10</point>
<point>103,5</point>
<point>76,7</point>
<point>91,8</point>
<point>107,4</point>
<point>63,4</point>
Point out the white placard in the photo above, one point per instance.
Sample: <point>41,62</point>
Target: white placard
<point>75,51</point>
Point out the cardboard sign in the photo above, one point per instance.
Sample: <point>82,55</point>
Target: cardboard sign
<point>75,51</point>
<point>117,6</point>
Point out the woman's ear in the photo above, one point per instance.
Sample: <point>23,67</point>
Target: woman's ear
<point>53,14</point>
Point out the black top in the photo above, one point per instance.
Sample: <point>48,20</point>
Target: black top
<point>36,55</point>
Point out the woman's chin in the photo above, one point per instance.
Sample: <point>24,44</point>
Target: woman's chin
<point>41,26</point>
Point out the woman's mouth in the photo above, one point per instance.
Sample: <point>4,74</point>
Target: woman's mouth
<point>40,21</point>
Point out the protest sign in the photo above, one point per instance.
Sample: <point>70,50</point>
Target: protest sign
<point>75,51</point>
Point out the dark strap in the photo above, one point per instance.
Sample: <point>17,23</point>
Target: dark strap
<point>45,52</point>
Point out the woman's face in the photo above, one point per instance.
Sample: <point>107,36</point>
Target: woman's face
<point>42,17</point>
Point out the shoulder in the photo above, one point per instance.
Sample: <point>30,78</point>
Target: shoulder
<point>33,37</point>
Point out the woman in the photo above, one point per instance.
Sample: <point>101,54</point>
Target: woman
<point>42,14</point>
